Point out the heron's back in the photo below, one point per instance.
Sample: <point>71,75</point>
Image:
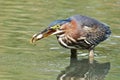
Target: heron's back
<point>94,31</point>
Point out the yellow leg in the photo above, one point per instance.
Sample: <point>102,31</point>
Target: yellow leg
<point>91,56</point>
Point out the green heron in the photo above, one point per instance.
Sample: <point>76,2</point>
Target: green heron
<point>76,32</point>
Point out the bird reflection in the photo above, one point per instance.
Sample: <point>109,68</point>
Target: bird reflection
<point>83,70</point>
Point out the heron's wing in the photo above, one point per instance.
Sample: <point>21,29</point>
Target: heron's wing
<point>94,31</point>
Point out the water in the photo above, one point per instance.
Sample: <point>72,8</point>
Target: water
<point>20,60</point>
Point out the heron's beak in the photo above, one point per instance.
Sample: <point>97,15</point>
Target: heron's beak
<point>41,35</point>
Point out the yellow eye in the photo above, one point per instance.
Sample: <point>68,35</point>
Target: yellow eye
<point>56,27</point>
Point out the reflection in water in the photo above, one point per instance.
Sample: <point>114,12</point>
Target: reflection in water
<point>83,70</point>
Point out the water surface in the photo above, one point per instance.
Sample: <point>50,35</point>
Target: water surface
<point>20,19</point>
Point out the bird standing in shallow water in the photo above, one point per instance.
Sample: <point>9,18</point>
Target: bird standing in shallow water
<point>76,32</point>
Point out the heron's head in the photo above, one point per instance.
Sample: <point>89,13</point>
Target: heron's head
<point>55,28</point>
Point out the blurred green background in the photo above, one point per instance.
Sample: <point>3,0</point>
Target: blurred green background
<point>20,19</point>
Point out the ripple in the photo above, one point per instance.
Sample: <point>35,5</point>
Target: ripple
<point>5,76</point>
<point>54,48</point>
<point>116,36</point>
<point>85,54</point>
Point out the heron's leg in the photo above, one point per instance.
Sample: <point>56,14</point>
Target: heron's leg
<point>91,55</point>
<point>73,56</point>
